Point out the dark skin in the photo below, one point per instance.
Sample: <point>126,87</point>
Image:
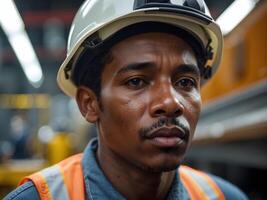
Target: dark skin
<point>147,112</point>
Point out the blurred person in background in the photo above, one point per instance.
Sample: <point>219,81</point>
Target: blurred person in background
<point>136,68</point>
<point>20,137</point>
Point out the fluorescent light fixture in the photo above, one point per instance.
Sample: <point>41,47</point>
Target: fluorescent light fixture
<point>14,28</point>
<point>234,14</point>
<point>10,18</point>
<point>31,67</point>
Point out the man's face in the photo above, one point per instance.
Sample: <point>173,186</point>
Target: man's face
<point>150,101</point>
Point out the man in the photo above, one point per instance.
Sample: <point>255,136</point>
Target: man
<point>135,68</point>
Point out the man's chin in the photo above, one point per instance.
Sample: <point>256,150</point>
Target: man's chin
<point>165,167</point>
<point>168,161</point>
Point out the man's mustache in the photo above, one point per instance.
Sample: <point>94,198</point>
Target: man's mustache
<point>163,122</point>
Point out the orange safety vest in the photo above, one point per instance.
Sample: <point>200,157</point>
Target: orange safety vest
<point>64,181</point>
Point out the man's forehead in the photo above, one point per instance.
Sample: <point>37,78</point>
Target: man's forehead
<point>151,40</point>
<point>150,49</point>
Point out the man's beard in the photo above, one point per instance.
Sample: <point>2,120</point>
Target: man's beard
<point>145,132</point>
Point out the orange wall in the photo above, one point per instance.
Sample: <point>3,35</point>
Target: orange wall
<point>244,61</point>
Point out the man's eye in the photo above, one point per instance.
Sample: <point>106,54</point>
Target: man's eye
<point>136,83</point>
<point>185,83</point>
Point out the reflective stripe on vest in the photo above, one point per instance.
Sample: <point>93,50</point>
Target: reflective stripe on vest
<point>199,185</point>
<point>65,181</point>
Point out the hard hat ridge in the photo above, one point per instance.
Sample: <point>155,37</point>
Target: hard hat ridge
<point>185,4</point>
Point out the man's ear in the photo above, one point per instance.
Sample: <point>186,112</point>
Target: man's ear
<point>88,104</point>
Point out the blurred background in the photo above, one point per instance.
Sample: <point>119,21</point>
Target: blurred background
<point>40,126</point>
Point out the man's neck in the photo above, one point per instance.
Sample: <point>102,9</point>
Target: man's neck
<point>133,182</point>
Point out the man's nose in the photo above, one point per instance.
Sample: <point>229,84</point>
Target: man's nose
<point>166,102</point>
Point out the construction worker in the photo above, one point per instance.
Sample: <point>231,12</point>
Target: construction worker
<point>136,68</point>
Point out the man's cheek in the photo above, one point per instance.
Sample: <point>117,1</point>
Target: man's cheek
<point>118,114</point>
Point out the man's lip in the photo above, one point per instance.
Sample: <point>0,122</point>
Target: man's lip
<point>168,137</point>
<point>168,132</point>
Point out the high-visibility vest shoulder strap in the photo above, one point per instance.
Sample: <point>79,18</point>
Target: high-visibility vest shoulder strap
<point>199,185</point>
<point>63,181</point>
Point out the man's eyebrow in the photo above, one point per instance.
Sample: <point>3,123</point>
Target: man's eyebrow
<point>136,66</point>
<point>188,68</point>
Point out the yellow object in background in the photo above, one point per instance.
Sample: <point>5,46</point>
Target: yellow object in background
<point>59,148</point>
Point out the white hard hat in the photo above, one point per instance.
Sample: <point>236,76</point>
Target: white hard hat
<point>97,20</point>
